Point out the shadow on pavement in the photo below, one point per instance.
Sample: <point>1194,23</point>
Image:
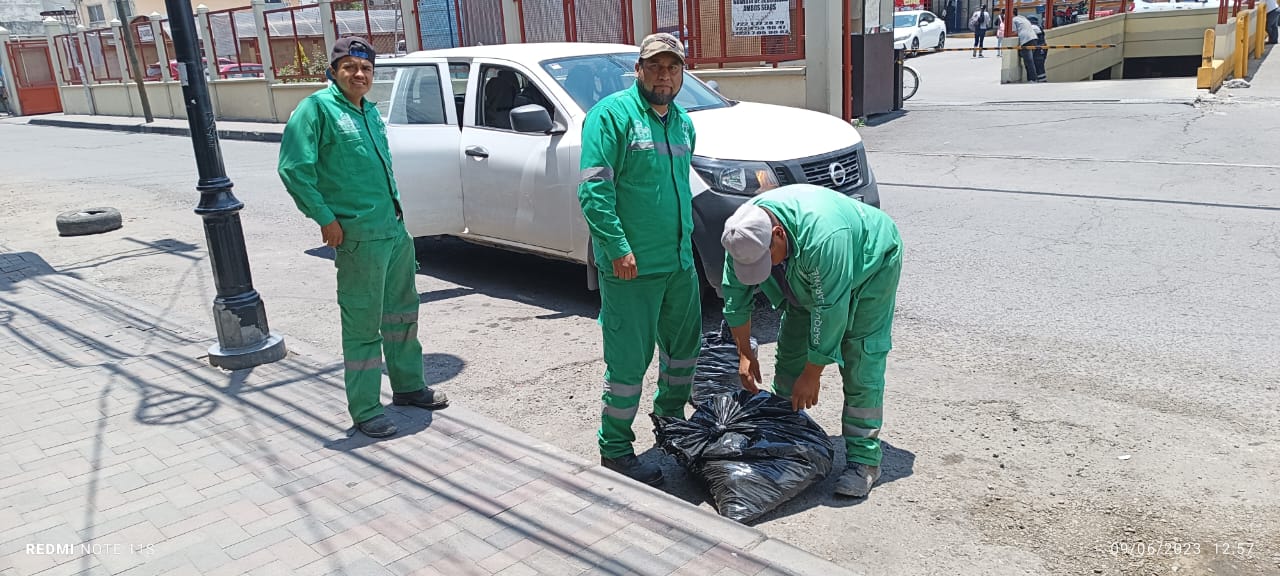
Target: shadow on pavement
<point>167,246</point>
<point>273,416</point>
<point>408,421</point>
<point>887,117</point>
<point>552,284</point>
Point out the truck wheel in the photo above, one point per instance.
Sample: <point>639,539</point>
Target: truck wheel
<point>88,221</point>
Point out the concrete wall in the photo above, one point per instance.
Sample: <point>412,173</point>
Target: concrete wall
<point>1171,33</point>
<point>74,100</point>
<point>242,99</point>
<point>287,97</point>
<point>113,100</point>
<point>1075,64</point>
<point>22,17</point>
<point>782,86</point>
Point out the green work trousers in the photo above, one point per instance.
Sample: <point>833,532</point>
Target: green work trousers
<point>379,303</point>
<point>867,342</point>
<point>665,309</point>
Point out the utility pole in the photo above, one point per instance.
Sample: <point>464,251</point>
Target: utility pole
<point>127,32</point>
<point>244,339</point>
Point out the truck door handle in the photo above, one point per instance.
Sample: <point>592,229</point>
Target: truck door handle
<point>477,151</point>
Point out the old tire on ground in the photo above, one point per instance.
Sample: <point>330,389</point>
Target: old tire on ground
<point>88,221</point>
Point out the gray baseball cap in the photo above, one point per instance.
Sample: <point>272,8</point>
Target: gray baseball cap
<point>747,235</point>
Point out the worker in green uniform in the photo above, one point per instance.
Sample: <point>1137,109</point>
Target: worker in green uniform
<point>637,146</point>
<point>832,263</point>
<point>335,163</point>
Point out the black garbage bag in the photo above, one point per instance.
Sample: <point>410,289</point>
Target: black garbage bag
<point>717,370</point>
<point>751,451</point>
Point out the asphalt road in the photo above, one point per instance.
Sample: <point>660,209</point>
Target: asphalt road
<point>1086,366</point>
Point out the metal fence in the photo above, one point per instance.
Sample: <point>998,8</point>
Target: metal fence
<point>576,21</point>
<point>453,23</point>
<point>103,65</point>
<point>145,44</point>
<point>720,32</point>
<point>378,21</point>
<point>234,36</point>
<point>69,59</point>
<point>598,21</point>
<point>296,41</point>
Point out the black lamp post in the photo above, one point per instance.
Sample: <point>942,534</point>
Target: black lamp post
<point>244,340</point>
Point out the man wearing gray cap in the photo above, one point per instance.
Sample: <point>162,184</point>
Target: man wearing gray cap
<point>832,263</point>
<point>637,146</point>
<point>335,163</point>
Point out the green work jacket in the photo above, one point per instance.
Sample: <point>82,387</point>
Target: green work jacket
<point>835,244</point>
<point>635,192</point>
<point>336,164</point>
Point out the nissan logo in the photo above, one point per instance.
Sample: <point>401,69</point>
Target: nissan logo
<point>837,173</point>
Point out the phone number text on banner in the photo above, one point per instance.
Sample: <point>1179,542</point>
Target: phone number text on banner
<point>761,18</point>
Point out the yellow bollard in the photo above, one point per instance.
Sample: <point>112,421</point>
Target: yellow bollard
<point>1259,45</point>
<point>1205,75</point>
<point>1242,45</point>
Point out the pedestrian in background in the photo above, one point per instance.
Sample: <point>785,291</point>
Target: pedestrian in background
<point>980,22</point>
<point>1028,43</point>
<point>1273,21</point>
<point>999,26</point>
<point>336,164</point>
<point>637,147</point>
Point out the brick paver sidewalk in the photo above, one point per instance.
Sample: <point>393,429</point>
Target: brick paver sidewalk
<point>124,452</point>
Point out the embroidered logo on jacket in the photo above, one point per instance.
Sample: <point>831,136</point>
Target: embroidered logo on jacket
<point>641,136</point>
<point>346,124</point>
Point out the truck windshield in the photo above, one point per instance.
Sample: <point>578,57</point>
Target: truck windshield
<point>589,78</point>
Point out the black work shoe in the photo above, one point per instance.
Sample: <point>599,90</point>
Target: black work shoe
<point>379,426</point>
<point>632,468</point>
<point>424,398</point>
<point>857,479</point>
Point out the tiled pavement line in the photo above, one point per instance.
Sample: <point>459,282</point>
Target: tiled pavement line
<point>195,470</point>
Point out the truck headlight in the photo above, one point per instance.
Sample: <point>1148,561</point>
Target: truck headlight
<point>733,177</point>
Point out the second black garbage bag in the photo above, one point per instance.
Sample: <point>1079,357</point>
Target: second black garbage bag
<point>752,451</point>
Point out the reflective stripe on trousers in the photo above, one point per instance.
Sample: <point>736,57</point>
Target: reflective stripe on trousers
<point>661,311</point>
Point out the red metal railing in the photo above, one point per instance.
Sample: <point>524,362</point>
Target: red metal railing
<point>32,67</point>
<point>378,21</point>
<point>720,32</point>
<point>233,35</point>
<point>144,42</point>
<point>103,66</point>
<point>68,46</point>
<point>576,21</point>
<point>296,42</point>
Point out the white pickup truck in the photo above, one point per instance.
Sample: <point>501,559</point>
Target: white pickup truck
<point>486,142</point>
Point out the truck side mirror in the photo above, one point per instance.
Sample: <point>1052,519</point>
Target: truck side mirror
<point>531,118</point>
<point>714,85</point>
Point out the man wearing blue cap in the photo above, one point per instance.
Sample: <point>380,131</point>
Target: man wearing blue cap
<point>336,164</point>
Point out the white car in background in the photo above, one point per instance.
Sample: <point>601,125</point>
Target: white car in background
<point>918,29</point>
<point>487,141</point>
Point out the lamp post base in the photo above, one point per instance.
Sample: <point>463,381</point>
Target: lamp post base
<point>269,350</point>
